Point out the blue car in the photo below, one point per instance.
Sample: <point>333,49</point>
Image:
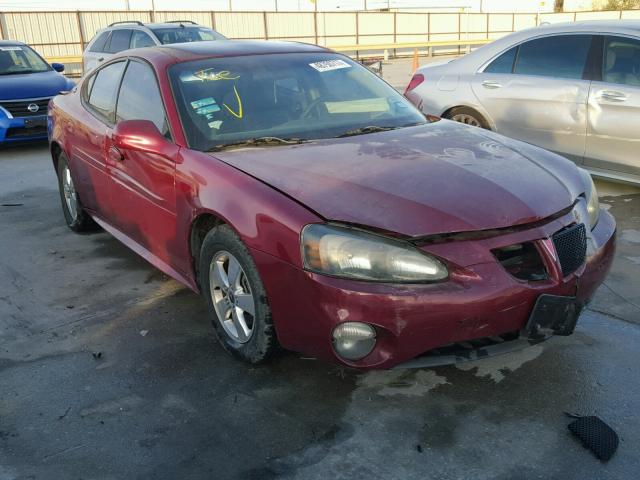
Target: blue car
<point>27,83</point>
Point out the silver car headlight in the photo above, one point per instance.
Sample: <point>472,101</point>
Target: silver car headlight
<point>591,195</point>
<point>349,253</point>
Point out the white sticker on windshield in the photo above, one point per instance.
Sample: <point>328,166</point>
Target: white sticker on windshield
<point>11,49</point>
<point>327,65</point>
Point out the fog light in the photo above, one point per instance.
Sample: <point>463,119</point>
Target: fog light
<point>354,340</point>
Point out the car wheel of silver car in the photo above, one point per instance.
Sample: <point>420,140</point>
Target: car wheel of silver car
<point>468,116</point>
<point>236,297</point>
<point>76,217</point>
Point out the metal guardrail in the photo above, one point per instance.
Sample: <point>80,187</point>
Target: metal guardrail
<point>382,47</point>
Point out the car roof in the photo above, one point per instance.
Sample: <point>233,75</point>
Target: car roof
<point>152,26</point>
<point>481,55</point>
<point>633,26</point>
<point>11,42</point>
<point>232,48</point>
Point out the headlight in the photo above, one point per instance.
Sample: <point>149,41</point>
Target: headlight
<point>349,253</point>
<point>591,194</point>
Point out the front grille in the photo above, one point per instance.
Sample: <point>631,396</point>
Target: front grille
<point>20,108</point>
<point>13,133</point>
<point>571,247</point>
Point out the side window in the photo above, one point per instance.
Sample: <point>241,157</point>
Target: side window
<point>100,43</point>
<point>140,39</point>
<point>102,97</point>
<point>140,98</point>
<point>504,63</point>
<point>621,63</point>
<point>559,56</point>
<point>120,40</point>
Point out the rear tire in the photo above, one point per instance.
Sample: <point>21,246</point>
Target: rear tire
<point>468,116</point>
<point>75,215</point>
<point>236,297</point>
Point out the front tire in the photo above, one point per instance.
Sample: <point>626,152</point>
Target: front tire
<point>468,116</point>
<point>75,215</point>
<point>236,297</point>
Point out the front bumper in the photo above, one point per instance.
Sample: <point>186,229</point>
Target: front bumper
<point>480,300</point>
<point>23,129</point>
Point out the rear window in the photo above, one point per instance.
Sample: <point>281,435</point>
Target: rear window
<point>504,63</point>
<point>120,40</point>
<point>186,34</point>
<point>560,56</point>
<point>102,96</point>
<point>621,61</point>
<point>100,42</point>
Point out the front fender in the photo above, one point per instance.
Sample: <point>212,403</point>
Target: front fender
<point>264,218</point>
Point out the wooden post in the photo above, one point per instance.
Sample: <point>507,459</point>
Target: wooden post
<point>213,19</point>
<point>80,29</point>
<point>429,52</point>
<point>513,22</point>
<point>395,32</point>
<point>357,35</point>
<point>3,34</point>
<point>487,25</point>
<point>264,20</point>
<point>315,25</point>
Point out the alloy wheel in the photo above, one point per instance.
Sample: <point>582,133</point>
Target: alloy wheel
<point>232,297</point>
<point>69,192</point>
<point>466,119</point>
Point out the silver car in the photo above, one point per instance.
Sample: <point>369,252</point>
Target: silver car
<point>571,88</point>
<point>124,35</point>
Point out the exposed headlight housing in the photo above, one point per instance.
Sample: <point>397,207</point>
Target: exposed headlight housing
<point>349,253</point>
<point>354,340</point>
<point>591,195</point>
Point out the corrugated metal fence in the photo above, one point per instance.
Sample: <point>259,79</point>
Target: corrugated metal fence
<point>56,34</point>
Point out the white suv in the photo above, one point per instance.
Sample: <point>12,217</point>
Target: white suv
<point>121,36</point>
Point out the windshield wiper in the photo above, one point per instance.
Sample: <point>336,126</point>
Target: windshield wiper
<point>18,73</point>
<point>365,130</point>
<point>374,129</point>
<point>258,142</point>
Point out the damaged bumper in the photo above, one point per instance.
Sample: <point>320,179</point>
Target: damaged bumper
<point>481,310</point>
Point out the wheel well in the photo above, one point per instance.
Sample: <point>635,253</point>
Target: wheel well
<point>448,111</point>
<point>56,150</point>
<point>200,226</point>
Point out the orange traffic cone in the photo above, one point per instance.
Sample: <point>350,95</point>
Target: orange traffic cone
<point>416,64</point>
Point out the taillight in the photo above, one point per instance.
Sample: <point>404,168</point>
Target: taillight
<point>416,80</point>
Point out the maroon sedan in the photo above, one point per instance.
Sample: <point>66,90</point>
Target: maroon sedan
<point>316,209</point>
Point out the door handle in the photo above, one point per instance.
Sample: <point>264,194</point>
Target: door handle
<point>613,96</point>
<point>115,154</point>
<point>101,59</point>
<point>491,85</point>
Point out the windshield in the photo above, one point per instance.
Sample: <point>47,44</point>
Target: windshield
<point>186,34</point>
<point>17,59</point>
<point>289,96</point>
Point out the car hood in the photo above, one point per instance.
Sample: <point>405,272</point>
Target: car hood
<point>32,85</point>
<point>436,178</point>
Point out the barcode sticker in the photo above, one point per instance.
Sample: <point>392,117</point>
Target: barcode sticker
<point>327,65</point>
<point>11,49</point>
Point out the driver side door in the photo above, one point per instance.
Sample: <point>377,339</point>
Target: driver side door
<point>142,187</point>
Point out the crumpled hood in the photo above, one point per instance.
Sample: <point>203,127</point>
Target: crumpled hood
<point>32,85</point>
<point>441,177</point>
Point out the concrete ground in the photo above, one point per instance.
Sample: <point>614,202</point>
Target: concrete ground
<point>109,370</point>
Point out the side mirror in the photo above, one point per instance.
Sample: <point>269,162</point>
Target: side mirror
<point>142,136</point>
<point>58,67</point>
